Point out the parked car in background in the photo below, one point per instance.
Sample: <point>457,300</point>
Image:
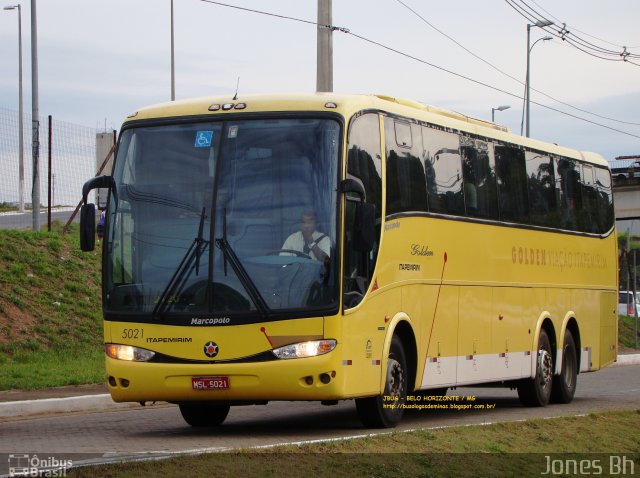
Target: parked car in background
<point>626,304</point>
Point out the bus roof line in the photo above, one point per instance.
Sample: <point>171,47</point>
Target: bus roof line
<point>444,112</point>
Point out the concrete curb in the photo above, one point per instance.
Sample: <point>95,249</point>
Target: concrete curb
<point>630,359</point>
<point>47,406</point>
<point>103,402</point>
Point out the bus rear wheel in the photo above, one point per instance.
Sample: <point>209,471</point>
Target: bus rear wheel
<point>564,385</point>
<point>536,392</point>
<point>203,414</point>
<point>385,411</point>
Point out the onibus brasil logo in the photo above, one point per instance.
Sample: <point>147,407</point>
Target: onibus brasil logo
<point>33,465</point>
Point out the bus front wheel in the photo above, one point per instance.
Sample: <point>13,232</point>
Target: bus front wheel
<point>386,410</point>
<point>203,414</point>
<point>536,392</point>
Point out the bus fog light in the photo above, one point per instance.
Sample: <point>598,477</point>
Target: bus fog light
<point>128,353</point>
<point>305,349</point>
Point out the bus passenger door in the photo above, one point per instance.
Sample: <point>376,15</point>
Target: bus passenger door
<point>363,342</point>
<point>364,166</point>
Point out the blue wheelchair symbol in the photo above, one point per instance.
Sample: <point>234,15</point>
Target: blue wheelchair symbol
<point>203,139</point>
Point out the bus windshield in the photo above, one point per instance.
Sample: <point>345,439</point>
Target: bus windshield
<point>222,219</point>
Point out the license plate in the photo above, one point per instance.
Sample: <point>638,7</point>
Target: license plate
<point>210,383</point>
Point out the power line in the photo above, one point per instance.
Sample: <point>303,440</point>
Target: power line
<point>570,38</point>
<point>558,21</point>
<point>566,35</point>
<point>455,41</point>
<point>532,15</point>
<point>424,62</point>
<point>490,86</point>
<point>284,17</point>
<point>511,76</point>
<point>584,33</point>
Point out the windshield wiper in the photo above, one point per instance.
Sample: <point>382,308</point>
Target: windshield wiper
<point>199,241</point>
<point>183,271</point>
<point>241,272</point>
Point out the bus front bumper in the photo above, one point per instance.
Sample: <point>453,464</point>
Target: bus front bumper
<point>312,378</point>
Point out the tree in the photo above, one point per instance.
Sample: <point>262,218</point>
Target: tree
<point>626,245</point>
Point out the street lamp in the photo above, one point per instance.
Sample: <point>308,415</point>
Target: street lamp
<point>173,63</point>
<point>539,23</point>
<point>499,108</point>
<point>20,112</point>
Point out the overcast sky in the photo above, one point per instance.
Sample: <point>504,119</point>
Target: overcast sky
<point>100,60</point>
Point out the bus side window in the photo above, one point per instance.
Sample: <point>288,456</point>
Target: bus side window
<point>604,200</point>
<point>512,184</point>
<point>406,187</point>
<point>542,198</point>
<point>443,168</point>
<point>587,214</point>
<point>479,178</point>
<point>364,164</point>
<point>568,192</point>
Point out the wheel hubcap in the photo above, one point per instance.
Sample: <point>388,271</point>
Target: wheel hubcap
<point>545,368</point>
<point>395,378</point>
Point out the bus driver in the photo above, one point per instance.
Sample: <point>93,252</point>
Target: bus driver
<point>308,240</point>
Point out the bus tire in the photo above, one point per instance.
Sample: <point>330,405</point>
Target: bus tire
<point>536,392</point>
<point>385,411</point>
<point>564,385</point>
<point>204,414</point>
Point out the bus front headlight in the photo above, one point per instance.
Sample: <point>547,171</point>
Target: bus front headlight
<point>129,353</point>
<point>305,349</point>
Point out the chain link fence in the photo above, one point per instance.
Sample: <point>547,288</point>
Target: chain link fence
<point>71,149</point>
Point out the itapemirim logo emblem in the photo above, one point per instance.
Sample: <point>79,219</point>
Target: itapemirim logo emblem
<point>211,349</point>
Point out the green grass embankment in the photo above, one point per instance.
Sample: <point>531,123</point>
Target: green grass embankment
<point>50,311</point>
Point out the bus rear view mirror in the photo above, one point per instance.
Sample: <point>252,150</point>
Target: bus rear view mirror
<point>88,211</point>
<point>88,227</point>
<point>94,183</point>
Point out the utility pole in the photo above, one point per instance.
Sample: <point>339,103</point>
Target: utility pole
<point>324,82</point>
<point>35,121</point>
<point>635,302</point>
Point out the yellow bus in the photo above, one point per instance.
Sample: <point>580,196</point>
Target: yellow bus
<point>328,247</point>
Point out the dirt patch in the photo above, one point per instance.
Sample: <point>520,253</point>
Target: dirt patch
<point>14,322</point>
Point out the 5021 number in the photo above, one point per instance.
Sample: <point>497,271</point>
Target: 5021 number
<point>132,333</point>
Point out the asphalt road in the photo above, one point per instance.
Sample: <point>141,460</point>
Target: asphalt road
<point>16,220</point>
<point>159,430</point>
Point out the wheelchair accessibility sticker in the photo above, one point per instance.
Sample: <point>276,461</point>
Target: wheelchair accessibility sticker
<point>203,139</point>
